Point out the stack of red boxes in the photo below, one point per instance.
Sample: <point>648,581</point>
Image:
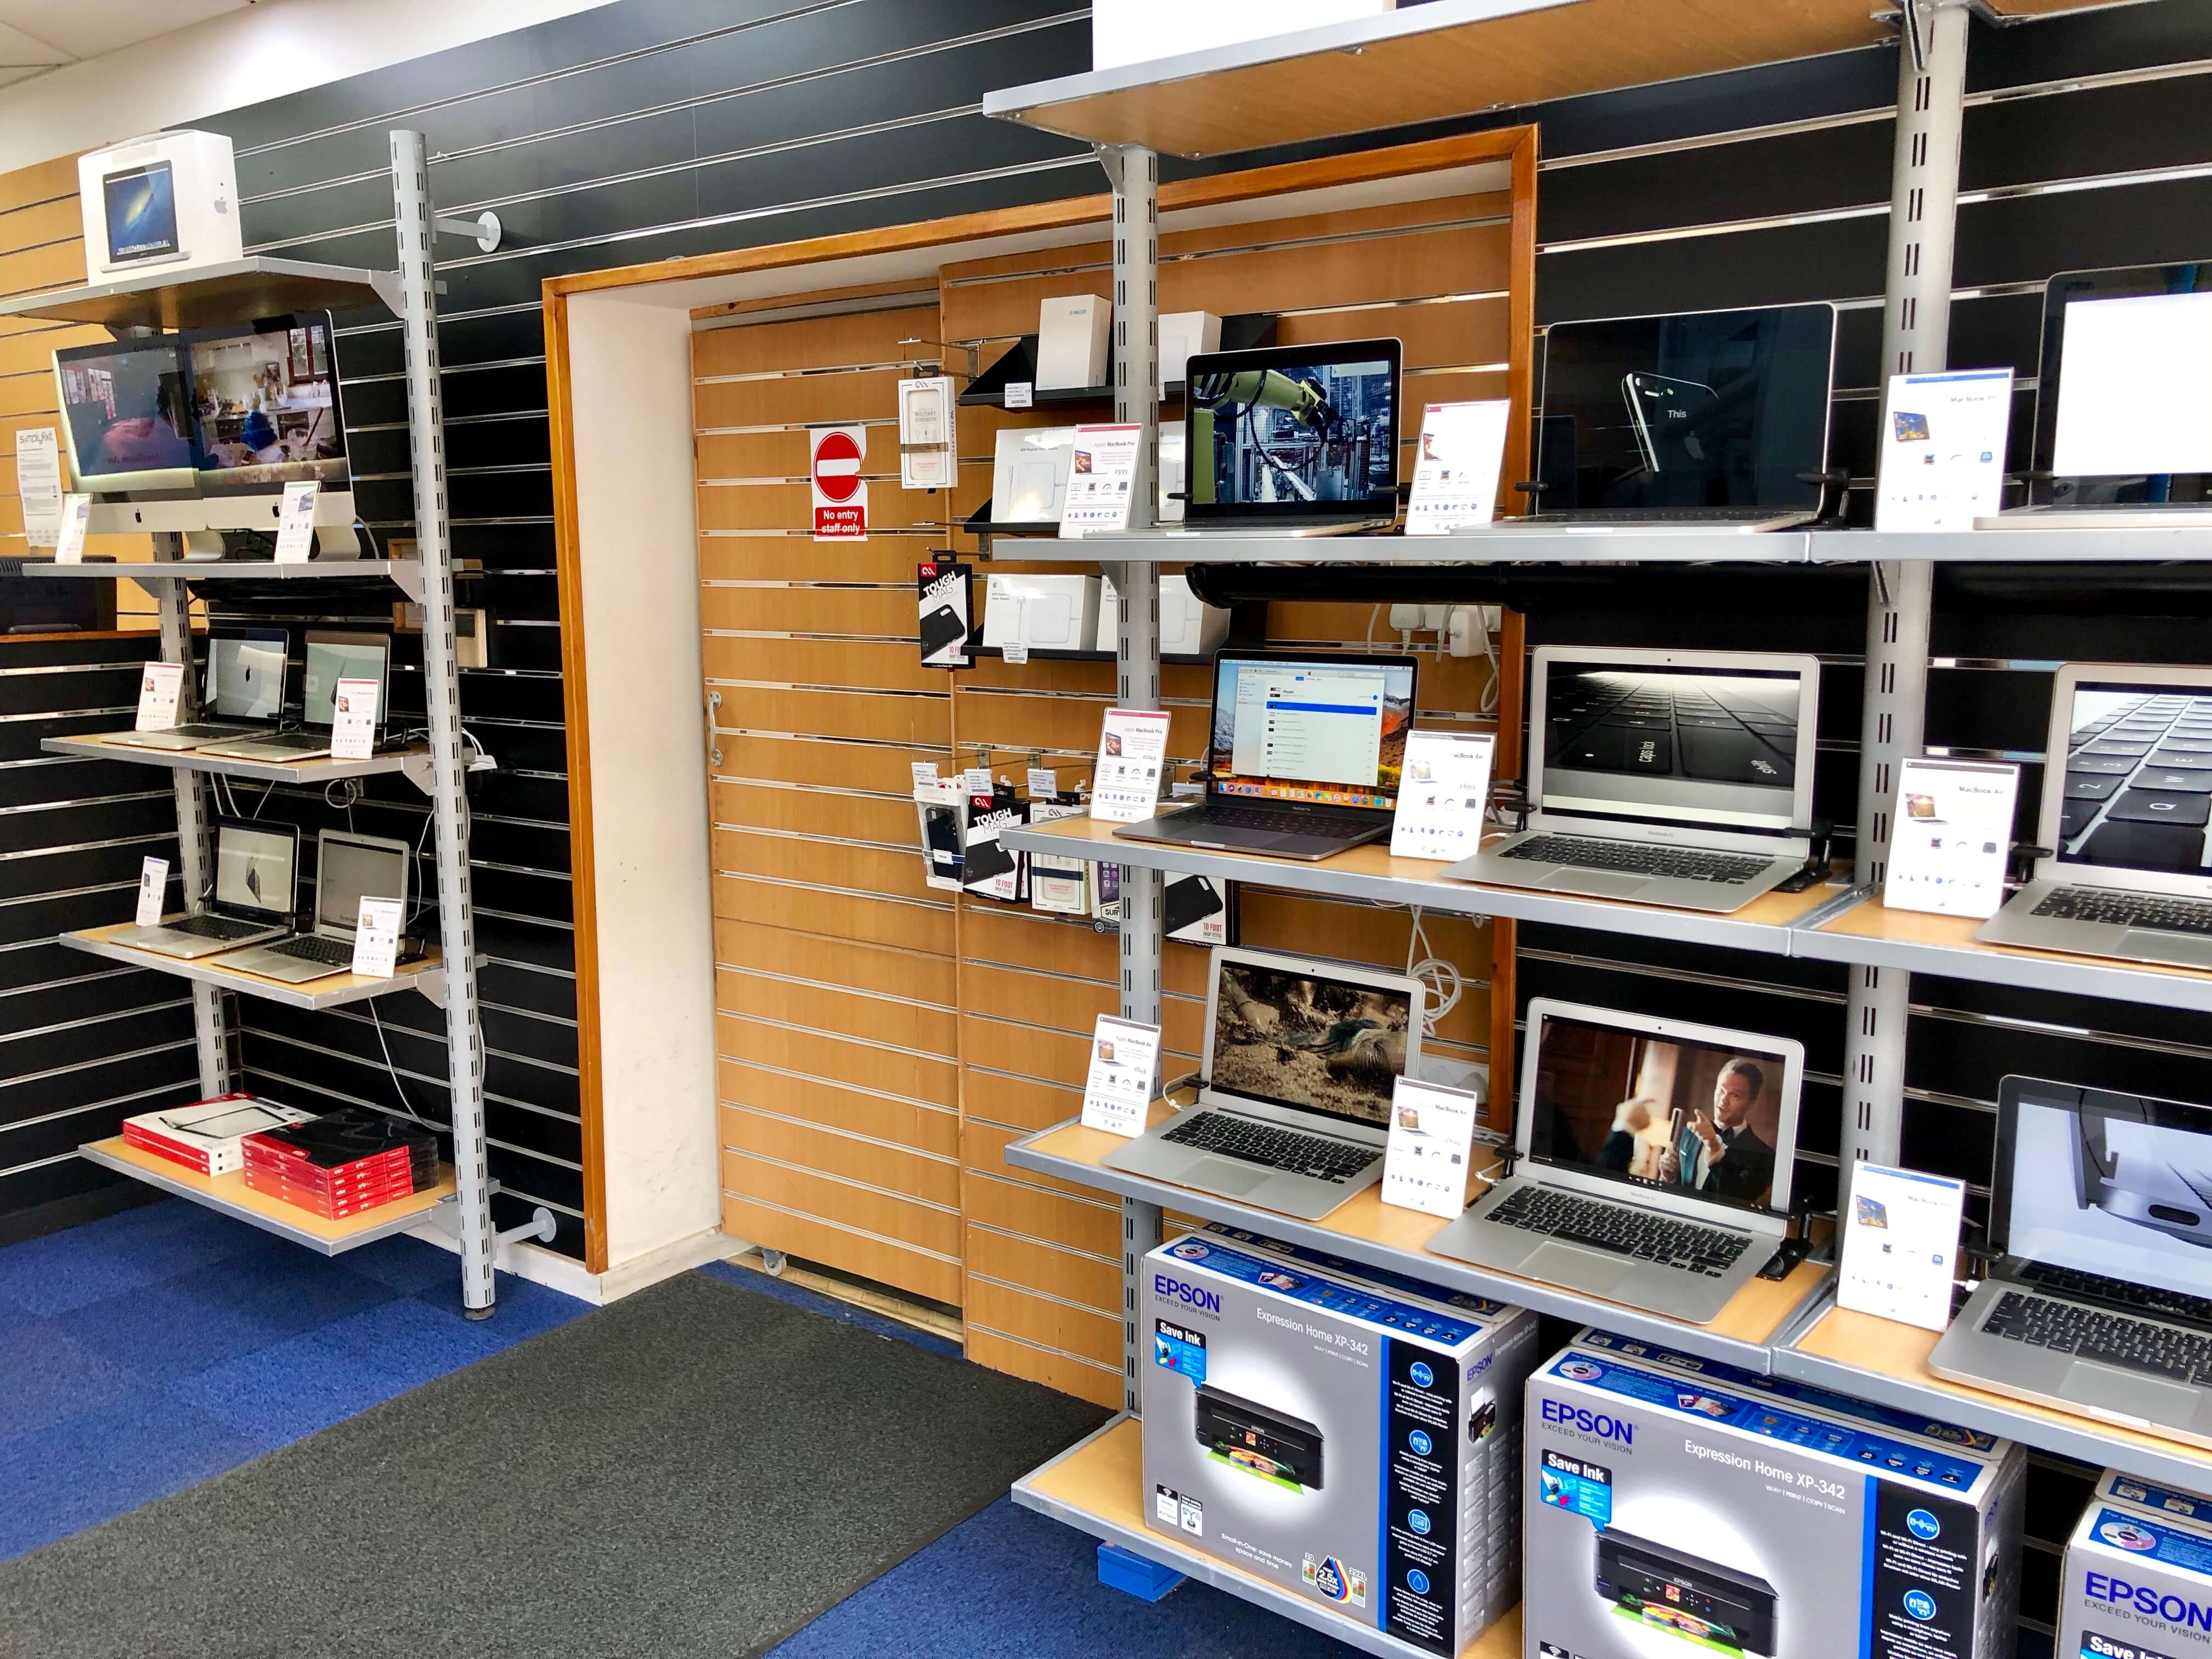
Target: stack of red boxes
<point>208,1136</point>
<point>342,1163</point>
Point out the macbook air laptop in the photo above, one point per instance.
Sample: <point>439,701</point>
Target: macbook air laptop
<point>1667,777</point>
<point>1299,440</point>
<point>1301,1058</point>
<point>2101,1211</point>
<point>331,658</point>
<point>348,869</point>
<point>1303,757</point>
<point>2127,792</point>
<point>1652,1161</point>
<point>245,692</point>
<point>252,899</point>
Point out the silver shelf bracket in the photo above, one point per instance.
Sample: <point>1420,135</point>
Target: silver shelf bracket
<point>484,230</point>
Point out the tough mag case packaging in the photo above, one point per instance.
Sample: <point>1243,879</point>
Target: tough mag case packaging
<point>1352,1436</point>
<point>2137,1581</point>
<point>1679,1504</point>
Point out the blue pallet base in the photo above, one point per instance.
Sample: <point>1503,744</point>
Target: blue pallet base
<point>1133,1575</point>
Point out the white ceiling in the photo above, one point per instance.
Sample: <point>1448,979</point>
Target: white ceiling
<point>38,35</point>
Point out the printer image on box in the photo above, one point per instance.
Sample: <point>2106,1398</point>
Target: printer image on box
<point>1249,1435</point>
<point>2136,1581</point>
<point>1678,1592</point>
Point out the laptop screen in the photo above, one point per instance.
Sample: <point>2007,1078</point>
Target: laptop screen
<point>2102,1182</point>
<point>1310,1035</point>
<point>351,870</point>
<point>127,412</point>
<point>2138,787</point>
<point>1292,433</point>
<point>245,676</point>
<point>253,869</point>
<point>1670,1114</point>
<point>335,657</point>
<point>2120,414</point>
<point>1326,732</point>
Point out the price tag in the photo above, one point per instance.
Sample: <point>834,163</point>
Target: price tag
<point>1044,783</point>
<point>924,774</point>
<point>1901,1245</point>
<point>1132,757</point>
<point>976,780</point>
<point>1016,651</point>
<point>161,688</point>
<point>1103,471</point>
<point>39,483</point>
<point>1125,1059</point>
<point>1951,836</point>
<point>376,938</point>
<point>295,523</point>
<point>1456,468</point>
<point>1424,1163</point>
<point>152,887</point>
<point>76,519</point>
<point>1020,394</point>
<point>1443,787</point>
<point>353,724</point>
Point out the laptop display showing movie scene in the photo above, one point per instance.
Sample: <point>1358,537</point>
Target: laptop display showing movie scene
<point>265,402</point>
<point>1307,1040</point>
<point>1329,733</point>
<point>1706,409</point>
<point>1285,434</point>
<point>1665,1114</point>
<point>2138,779</point>
<point>2120,414</point>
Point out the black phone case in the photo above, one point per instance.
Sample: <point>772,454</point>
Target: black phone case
<point>987,861</point>
<point>941,628</point>
<point>1187,903</point>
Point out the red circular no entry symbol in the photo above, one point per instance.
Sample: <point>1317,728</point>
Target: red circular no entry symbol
<point>837,466</point>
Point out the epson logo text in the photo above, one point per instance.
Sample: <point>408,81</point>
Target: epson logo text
<point>1588,1422</point>
<point>2147,1600</point>
<point>1176,1289</point>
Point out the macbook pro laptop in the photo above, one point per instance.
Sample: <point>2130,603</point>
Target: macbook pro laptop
<point>1667,777</point>
<point>1299,440</point>
<point>2101,1211</point>
<point>1303,757</point>
<point>348,869</point>
<point>1652,1161</point>
<point>1301,1058</point>
<point>331,658</point>
<point>2127,792</point>
<point>245,692</point>
<point>252,899</point>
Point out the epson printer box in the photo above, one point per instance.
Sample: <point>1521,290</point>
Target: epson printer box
<point>1350,1436</point>
<point>1675,1498</point>
<point>2137,1581</point>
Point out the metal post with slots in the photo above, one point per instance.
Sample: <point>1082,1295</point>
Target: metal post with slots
<point>209,1035</point>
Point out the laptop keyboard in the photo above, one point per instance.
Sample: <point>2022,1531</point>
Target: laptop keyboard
<point>1625,1231</point>
<point>217,927</point>
<point>2171,915</point>
<point>2111,1338</point>
<point>1252,1142</point>
<point>1276,821</point>
<point>1722,515</point>
<point>1586,855</point>
<point>2117,1293</point>
<point>310,947</point>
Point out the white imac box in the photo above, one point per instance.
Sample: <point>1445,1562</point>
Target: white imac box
<point>167,201</point>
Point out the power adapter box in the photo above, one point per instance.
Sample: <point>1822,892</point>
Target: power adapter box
<point>2137,1579</point>
<point>1354,1442</point>
<point>1679,1504</point>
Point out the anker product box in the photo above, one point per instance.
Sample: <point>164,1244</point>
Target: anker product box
<point>2137,1579</point>
<point>1351,1436</point>
<point>1679,1502</point>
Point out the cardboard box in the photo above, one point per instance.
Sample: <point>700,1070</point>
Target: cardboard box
<point>169,199</point>
<point>1072,331</point>
<point>2137,1583</point>
<point>207,1135</point>
<point>1676,1500</point>
<point>1182,335</point>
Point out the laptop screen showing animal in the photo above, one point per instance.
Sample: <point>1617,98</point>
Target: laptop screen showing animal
<point>1669,1115</point>
<point>1686,745</point>
<point>1334,1046</point>
<point>2138,779</point>
<point>1332,733</point>
<point>1271,433</point>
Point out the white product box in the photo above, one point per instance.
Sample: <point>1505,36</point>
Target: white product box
<point>1045,613</point>
<point>208,1135</point>
<point>1187,627</point>
<point>1030,467</point>
<point>1183,333</point>
<point>166,199</point>
<point>2137,1583</point>
<point>1071,332</point>
<point>1138,30</point>
<point>1174,479</point>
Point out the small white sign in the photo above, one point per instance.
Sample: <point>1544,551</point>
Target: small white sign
<point>160,689</point>
<point>1020,394</point>
<point>1132,753</point>
<point>976,780</point>
<point>38,484</point>
<point>1943,452</point>
<point>1424,1163</point>
<point>295,523</point>
<point>353,722</point>
<point>1951,836</point>
<point>1043,783</point>
<point>1016,651</point>
<point>153,889</point>
<point>1900,1245</point>
<point>376,938</point>
<point>76,519</point>
<point>925,773</point>
<point>1457,466</point>
<point>1443,793</point>
<point>1104,473</point>
<point>1125,1061</point>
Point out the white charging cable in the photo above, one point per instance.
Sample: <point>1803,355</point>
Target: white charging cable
<point>1437,973</point>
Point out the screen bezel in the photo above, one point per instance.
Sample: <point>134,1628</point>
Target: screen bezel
<point>1340,973</point>
<point>254,912</point>
<point>1333,351</point>
<point>1788,1050</point>
<point>2105,282</point>
<point>2051,867</point>
<point>209,480</point>
<point>1338,659</point>
<point>278,637</point>
<point>168,250</point>
<point>396,849</point>
<point>2012,1094</point>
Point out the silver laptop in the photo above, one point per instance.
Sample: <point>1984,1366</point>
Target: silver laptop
<point>1667,777</point>
<point>331,657</point>
<point>243,691</point>
<point>252,899</point>
<point>2100,1213</point>
<point>348,869</point>
<point>2127,792</point>
<point>1301,1058</point>
<point>1652,1161</point>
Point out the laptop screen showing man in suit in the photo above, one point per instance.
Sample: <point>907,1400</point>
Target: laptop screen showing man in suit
<point>253,869</point>
<point>245,676</point>
<point>1324,1045</point>
<point>2138,790</point>
<point>1330,733</point>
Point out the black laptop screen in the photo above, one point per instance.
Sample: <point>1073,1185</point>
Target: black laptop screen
<point>1330,732</point>
<point>2138,787</point>
<point>1310,1040</point>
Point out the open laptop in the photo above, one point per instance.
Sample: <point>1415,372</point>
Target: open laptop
<point>1293,1111</point>
<point>1298,441</point>
<point>2100,1211</point>
<point>348,869</point>
<point>331,658</point>
<point>2127,793</point>
<point>245,692</point>
<point>252,899</point>
<point>1303,757</point>
<point>1667,777</point>
<point>1652,1161</point>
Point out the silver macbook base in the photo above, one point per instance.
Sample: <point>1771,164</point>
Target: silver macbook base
<point>348,869</point>
<point>331,657</point>
<point>1666,777</point>
<point>244,693</point>
<point>2101,1211</point>
<point>1301,1058</point>
<point>1652,1161</point>
<point>251,900</point>
<point>2127,795</point>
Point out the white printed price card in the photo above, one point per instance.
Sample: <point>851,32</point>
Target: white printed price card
<point>1457,466</point>
<point>1125,1059</point>
<point>1425,1162</point>
<point>160,689</point>
<point>1951,836</point>
<point>1132,752</point>
<point>353,723</point>
<point>376,936</point>
<point>1102,473</point>
<point>1943,453</point>
<point>295,523</point>
<point>69,539</point>
<point>153,888</point>
<point>38,484</point>
<point>1900,1245</point>
<point>1443,792</point>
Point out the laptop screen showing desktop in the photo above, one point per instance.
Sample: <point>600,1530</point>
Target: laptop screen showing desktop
<point>1293,432</point>
<point>1303,1035</point>
<point>253,868</point>
<point>1663,1114</point>
<point>2121,416</point>
<point>245,676</point>
<point>350,872</point>
<point>1329,732</point>
<point>2138,789</point>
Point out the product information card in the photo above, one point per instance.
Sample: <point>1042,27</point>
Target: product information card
<point>376,938</point>
<point>153,889</point>
<point>1125,1061</point>
<point>38,484</point>
<point>1431,1139</point>
<point>1901,1245</point>
<point>295,523</point>
<point>1457,466</point>
<point>161,688</point>
<point>76,523</point>
<point>353,719</point>
<point>1951,836</point>
<point>1441,795</point>
<point>1943,454</point>
<point>1103,471</point>
<point>1132,753</point>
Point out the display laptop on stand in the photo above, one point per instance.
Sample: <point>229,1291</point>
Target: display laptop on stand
<point>1303,757</point>
<point>1302,1059</point>
<point>252,899</point>
<point>245,691</point>
<point>1652,1161</point>
<point>1666,777</point>
<point>2091,1302</point>
<point>2128,871</point>
<point>331,658</point>
<point>348,869</point>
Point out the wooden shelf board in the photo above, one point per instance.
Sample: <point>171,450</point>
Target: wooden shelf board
<point>332,991</point>
<point>235,291</point>
<point>230,1194</point>
<point>321,770</point>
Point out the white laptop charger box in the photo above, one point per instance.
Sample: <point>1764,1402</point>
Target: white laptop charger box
<point>2136,1581</point>
<point>1045,613</point>
<point>1182,333</point>
<point>1030,468</point>
<point>166,200</point>
<point>1071,332</point>
<point>1188,628</point>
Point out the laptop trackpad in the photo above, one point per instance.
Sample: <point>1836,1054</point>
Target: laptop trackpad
<point>2115,1390</point>
<point>1608,884</point>
<point>2153,945</point>
<point>1581,1270</point>
<point>1225,1175</point>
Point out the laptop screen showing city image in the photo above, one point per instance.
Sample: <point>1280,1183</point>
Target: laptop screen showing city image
<point>349,869</point>
<point>2120,413</point>
<point>335,657</point>
<point>253,869</point>
<point>1286,1032</point>
<point>245,676</point>
<point>1307,432</point>
<point>1323,731</point>
<point>2138,778</point>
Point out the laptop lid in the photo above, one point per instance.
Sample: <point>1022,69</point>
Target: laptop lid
<point>1622,1105</point>
<point>1326,1039</point>
<point>246,673</point>
<point>2120,414</point>
<point>334,657</point>
<point>2103,1181</point>
<point>2127,785</point>
<point>1697,408</point>
<point>1320,732</point>
<point>349,868</point>
<point>1306,434</point>
<point>254,868</point>
<point>1700,748</point>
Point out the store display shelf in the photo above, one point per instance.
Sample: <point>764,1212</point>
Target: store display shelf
<point>1881,1360</point>
<point>1364,1229</point>
<point>203,296</point>
<point>1096,1486</point>
<point>1172,658</point>
<point>427,976</point>
<point>406,574</point>
<point>320,771</point>
<point>230,1194</point>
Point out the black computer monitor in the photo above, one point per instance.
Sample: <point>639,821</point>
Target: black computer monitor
<point>2121,416</point>
<point>265,406</point>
